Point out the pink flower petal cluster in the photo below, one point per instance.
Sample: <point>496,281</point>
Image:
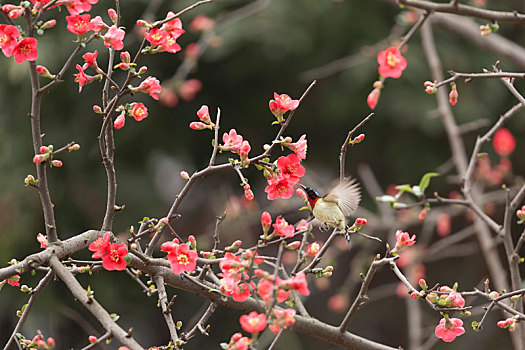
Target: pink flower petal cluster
<point>79,24</point>
<point>114,37</point>
<point>281,319</point>
<point>391,63</point>
<point>238,342</point>
<point>283,228</point>
<point>313,249</point>
<point>9,35</point>
<point>42,239</point>
<point>165,38</point>
<point>265,290</point>
<point>181,256</point>
<point>447,297</point>
<point>297,283</point>
<point>253,322</point>
<point>509,323</point>
<point>299,147</point>
<point>282,104</point>
<point>82,78</point>
<point>449,329</point>
<point>403,239</point>
<point>112,254</point>
<point>138,111</point>
<point>234,143</point>
<point>290,171</point>
<point>151,86</point>
<point>76,7</point>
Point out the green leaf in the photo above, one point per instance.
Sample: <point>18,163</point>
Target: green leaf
<point>404,188</point>
<point>475,325</point>
<point>425,180</point>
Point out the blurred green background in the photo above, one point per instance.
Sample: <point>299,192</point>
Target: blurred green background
<point>273,49</point>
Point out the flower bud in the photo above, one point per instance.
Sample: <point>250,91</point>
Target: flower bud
<point>143,24</point>
<point>453,96</point>
<point>494,294</point>
<point>113,16</point>
<point>120,121</point>
<point>422,214</point>
<point>198,126</point>
<point>266,222</point>
<point>74,147</point>
<point>50,342</point>
<point>184,175</point>
<point>125,57</point>
<point>415,295</point>
<point>302,194</point>
<point>142,70</point>
<point>56,163</point>
<point>30,179</point>
<point>248,193</point>
<point>423,284</point>
<point>44,149</point>
<point>313,249</point>
<point>373,98</point>
<point>49,24</point>
<point>293,245</point>
<point>92,339</point>
<point>97,109</point>
<point>39,158</point>
<point>44,72</point>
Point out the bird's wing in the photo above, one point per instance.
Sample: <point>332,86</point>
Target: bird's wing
<point>347,194</point>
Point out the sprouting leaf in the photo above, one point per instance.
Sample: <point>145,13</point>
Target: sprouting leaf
<point>425,180</point>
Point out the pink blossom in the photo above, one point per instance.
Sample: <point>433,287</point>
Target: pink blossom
<point>313,249</point>
<point>188,89</point>
<point>265,290</point>
<point>204,114</point>
<point>79,24</point>
<point>156,36</point>
<point>373,98</point>
<point>120,121</point>
<point>299,147</point>
<point>298,283</point>
<point>138,111</point>
<point>25,49</point>
<point>98,25</point>
<point>391,63</point>
<point>282,104</point>
<point>248,193</point>
<point>253,322</point>
<point>42,239</point>
<point>279,187</point>
<point>290,167</point>
<point>302,225</point>
<point>232,141</point>
<point>173,26</point>
<point>449,329</point>
<point>90,59</point>
<point>150,85</point>
<point>8,38</point>
<point>114,257</point>
<point>244,149</point>
<point>201,22</point>
<point>100,246</point>
<point>283,228</point>
<point>182,258</point>
<point>403,239</point>
<point>114,37</point>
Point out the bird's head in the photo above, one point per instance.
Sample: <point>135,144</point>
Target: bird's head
<point>311,192</point>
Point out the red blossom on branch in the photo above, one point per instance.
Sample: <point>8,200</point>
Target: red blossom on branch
<point>449,329</point>
<point>503,142</point>
<point>9,35</point>
<point>25,50</point>
<point>391,63</point>
<point>114,257</point>
<point>253,322</point>
<point>182,258</point>
<point>100,246</point>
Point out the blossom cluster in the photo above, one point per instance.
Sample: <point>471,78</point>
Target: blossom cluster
<point>180,255</point>
<point>289,172</point>
<point>13,44</point>
<point>163,39</point>
<point>112,254</point>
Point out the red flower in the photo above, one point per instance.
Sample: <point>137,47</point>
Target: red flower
<point>449,329</point>
<point>90,59</point>
<point>98,25</point>
<point>170,44</point>
<point>182,258</point>
<point>266,221</point>
<point>82,78</point>
<point>253,322</point>
<point>173,26</point>
<point>283,228</point>
<point>265,290</point>
<point>503,142</point>
<point>78,6</point>
<point>113,37</point>
<point>100,246</point>
<point>244,149</point>
<point>403,239</point>
<point>279,187</point>
<point>8,38</point>
<point>114,257</point>
<point>373,98</point>
<point>231,287</point>
<point>25,49</point>
<point>282,318</point>
<point>391,63</point>
<point>238,342</point>
<point>14,281</point>
<point>156,36</point>
<point>138,111</point>
<point>151,86</point>
<point>290,167</point>
<point>79,24</point>
<point>298,283</point>
<point>313,249</point>
<point>282,104</point>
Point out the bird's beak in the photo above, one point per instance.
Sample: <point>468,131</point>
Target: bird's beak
<point>303,186</point>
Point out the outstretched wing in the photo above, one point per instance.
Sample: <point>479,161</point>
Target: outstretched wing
<point>347,194</point>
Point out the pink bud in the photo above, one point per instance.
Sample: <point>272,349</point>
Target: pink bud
<point>9,7</point>
<point>494,294</point>
<point>430,90</point>
<point>198,126</point>
<point>56,163</point>
<point>184,175</point>
<point>39,158</point>
<point>44,72</point>
<point>143,24</point>
<point>373,98</point>
<point>237,243</point>
<point>92,339</point>
<point>453,96</point>
<point>125,57</point>
<point>49,24</point>
<point>74,147</point>
<point>313,249</point>
<point>50,341</point>
<point>266,220</point>
<point>248,193</point>
<point>415,295</point>
<point>113,16</point>
<point>301,194</point>
<point>142,70</point>
<point>293,245</point>
<point>97,109</point>
<point>122,65</point>
<point>359,138</point>
<point>120,121</point>
<point>191,239</point>
<point>44,149</point>
<point>16,13</point>
<point>192,50</point>
<point>422,214</point>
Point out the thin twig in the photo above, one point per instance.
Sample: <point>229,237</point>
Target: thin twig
<point>200,325</point>
<point>163,300</point>
<point>216,143</point>
<point>342,154</point>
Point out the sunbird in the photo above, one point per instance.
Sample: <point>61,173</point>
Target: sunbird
<point>333,208</point>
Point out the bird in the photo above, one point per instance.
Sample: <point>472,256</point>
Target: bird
<point>333,208</point>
